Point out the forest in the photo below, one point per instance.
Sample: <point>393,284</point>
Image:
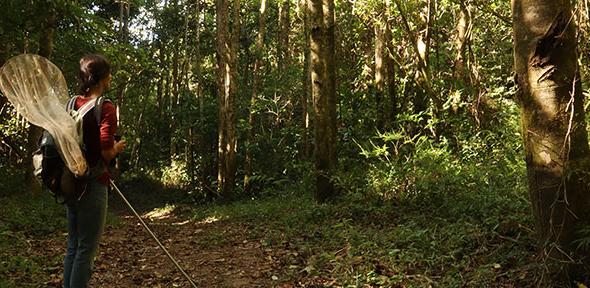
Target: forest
<point>318,143</point>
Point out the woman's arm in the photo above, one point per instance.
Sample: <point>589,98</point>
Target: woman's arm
<point>108,128</point>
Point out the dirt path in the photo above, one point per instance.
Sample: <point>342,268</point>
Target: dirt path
<point>129,257</point>
<point>214,253</point>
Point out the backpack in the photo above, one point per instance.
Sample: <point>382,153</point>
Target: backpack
<point>49,167</point>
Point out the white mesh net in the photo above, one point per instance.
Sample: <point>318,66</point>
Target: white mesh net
<point>38,91</point>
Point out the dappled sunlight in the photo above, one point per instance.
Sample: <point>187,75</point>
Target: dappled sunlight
<point>320,143</point>
<point>161,213</point>
<point>209,220</point>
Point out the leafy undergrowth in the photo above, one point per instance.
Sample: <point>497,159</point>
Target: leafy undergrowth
<point>29,228</point>
<point>25,222</point>
<point>467,238</point>
<point>473,240</point>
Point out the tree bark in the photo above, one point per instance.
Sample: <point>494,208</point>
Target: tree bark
<point>554,129</point>
<point>226,89</point>
<point>324,95</point>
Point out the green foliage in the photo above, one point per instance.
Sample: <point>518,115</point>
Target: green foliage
<point>25,218</point>
<point>465,236</point>
<point>27,225</point>
<point>434,198</point>
<point>176,174</point>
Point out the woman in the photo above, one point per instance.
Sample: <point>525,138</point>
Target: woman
<point>87,214</point>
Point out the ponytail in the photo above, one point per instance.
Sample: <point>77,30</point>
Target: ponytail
<point>93,69</point>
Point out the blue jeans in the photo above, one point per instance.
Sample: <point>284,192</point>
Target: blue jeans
<point>86,221</point>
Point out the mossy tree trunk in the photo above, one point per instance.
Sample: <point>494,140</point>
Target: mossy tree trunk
<point>554,129</point>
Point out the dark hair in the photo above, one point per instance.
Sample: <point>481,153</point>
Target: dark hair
<point>93,68</point>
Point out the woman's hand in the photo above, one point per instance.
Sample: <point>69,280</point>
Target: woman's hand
<point>110,154</point>
<point>120,146</point>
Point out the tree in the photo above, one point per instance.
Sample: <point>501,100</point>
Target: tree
<point>226,88</point>
<point>307,93</point>
<point>382,40</point>
<point>323,68</point>
<point>554,128</point>
<point>284,30</point>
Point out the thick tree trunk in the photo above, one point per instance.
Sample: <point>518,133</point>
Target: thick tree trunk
<point>324,95</point>
<point>554,129</point>
<point>226,89</point>
<point>255,85</point>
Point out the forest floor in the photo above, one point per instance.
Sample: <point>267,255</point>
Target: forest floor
<point>129,257</point>
<point>467,240</point>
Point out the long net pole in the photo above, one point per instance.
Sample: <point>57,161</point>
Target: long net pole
<point>153,235</point>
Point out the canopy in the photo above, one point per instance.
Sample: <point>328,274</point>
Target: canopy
<point>38,91</point>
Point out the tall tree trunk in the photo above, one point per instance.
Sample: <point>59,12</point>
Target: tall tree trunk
<point>45,50</point>
<point>462,38</point>
<point>324,95</point>
<point>162,64</point>
<point>285,58</point>
<point>461,73</point>
<point>226,89</point>
<point>284,29</point>
<point>203,137</point>
<point>307,85</point>
<point>421,52</point>
<point>390,64</point>
<point>380,27</point>
<point>255,85</point>
<point>554,129</point>
<point>174,100</point>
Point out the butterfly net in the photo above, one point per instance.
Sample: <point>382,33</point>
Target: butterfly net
<point>38,91</point>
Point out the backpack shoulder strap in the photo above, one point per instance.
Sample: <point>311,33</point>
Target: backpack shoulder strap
<point>71,105</point>
<point>82,111</point>
<point>98,108</point>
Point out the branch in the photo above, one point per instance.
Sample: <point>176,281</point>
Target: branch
<point>14,148</point>
<point>421,62</point>
<point>483,8</point>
